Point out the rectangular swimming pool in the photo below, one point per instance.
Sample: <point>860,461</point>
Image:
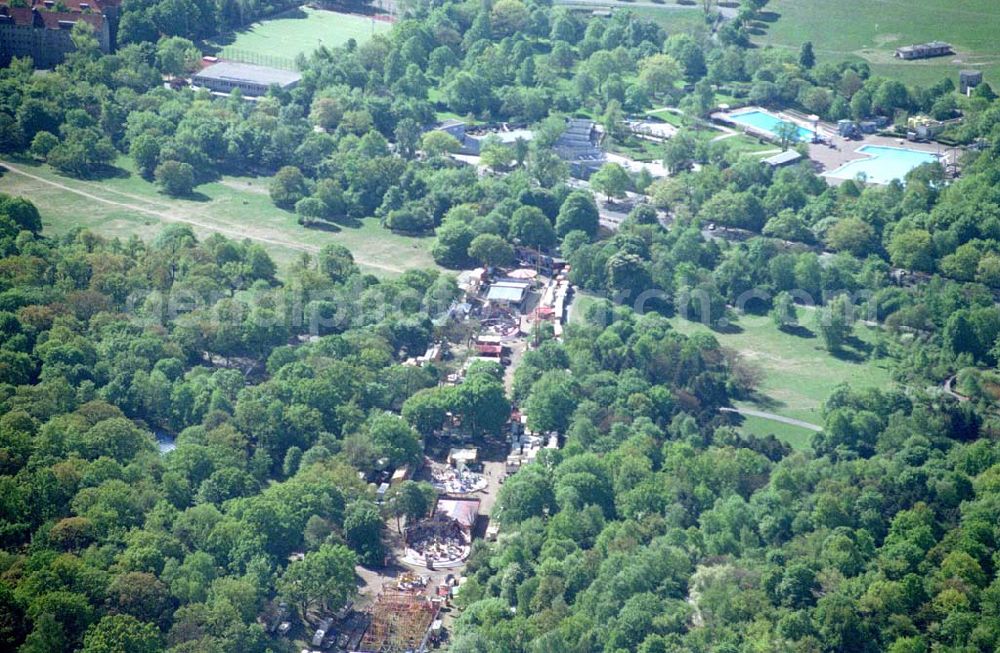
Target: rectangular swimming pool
<point>768,123</point>
<point>883,164</point>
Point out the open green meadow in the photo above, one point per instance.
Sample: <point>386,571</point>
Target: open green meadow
<point>299,31</point>
<point>749,146</point>
<point>236,207</point>
<point>796,437</point>
<point>872,29</point>
<point>675,20</point>
<point>797,373</point>
<point>668,116</point>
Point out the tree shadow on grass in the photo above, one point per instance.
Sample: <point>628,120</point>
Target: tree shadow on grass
<point>100,173</point>
<point>766,403</point>
<point>346,222</point>
<point>848,355</point>
<point>193,196</point>
<point>297,13</point>
<point>858,344</point>
<point>93,173</point>
<point>328,227</point>
<point>798,331</point>
<point>418,235</point>
<point>729,328</point>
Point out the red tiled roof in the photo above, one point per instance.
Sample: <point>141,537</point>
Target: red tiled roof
<point>72,6</point>
<point>53,18</point>
<point>20,15</point>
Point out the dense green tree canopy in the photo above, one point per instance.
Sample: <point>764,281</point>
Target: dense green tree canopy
<point>661,524</point>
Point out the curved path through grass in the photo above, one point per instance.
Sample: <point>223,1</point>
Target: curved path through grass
<point>166,213</point>
<point>776,418</point>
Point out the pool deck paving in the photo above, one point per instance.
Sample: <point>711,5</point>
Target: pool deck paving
<point>731,117</point>
<point>836,150</point>
<point>841,151</point>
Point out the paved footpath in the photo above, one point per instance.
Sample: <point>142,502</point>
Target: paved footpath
<point>771,416</point>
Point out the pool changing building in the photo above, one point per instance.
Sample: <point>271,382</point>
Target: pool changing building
<point>252,80</point>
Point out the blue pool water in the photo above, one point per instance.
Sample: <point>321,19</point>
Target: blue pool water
<point>767,122</point>
<point>883,164</point>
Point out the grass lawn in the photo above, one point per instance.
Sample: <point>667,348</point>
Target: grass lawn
<point>581,302</point>
<point>237,207</point>
<point>725,98</point>
<point>797,373</point>
<point>436,97</point>
<point>873,29</point>
<point>297,31</point>
<point>673,19</point>
<point>667,116</point>
<point>637,149</point>
<point>747,145</point>
<point>795,436</point>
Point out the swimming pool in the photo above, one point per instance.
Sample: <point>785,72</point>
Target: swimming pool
<point>883,164</point>
<point>767,123</point>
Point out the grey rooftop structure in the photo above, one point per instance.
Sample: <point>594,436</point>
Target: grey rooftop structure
<point>785,158</point>
<point>579,146</point>
<point>252,80</point>
<point>473,143</point>
<point>924,50</point>
<point>969,79</point>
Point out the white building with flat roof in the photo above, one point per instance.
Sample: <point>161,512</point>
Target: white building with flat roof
<point>252,80</point>
<point>508,293</point>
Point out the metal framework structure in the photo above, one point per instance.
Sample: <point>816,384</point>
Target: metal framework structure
<point>400,621</point>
